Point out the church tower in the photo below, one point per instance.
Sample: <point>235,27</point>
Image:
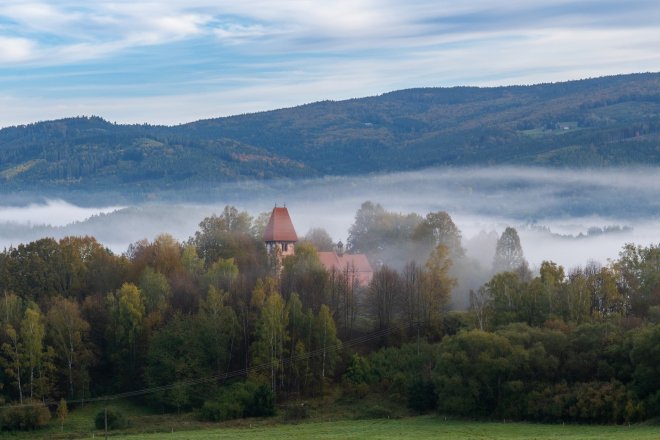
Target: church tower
<point>280,236</point>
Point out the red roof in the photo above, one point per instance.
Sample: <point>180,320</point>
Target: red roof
<point>330,260</point>
<point>358,262</point>
<point>280,227</point>
<point>352,262</point>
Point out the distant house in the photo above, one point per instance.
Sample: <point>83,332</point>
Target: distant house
<point>280,237</point>
<point>355,264</point>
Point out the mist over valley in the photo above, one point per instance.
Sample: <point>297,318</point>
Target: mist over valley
<point>566,216</point>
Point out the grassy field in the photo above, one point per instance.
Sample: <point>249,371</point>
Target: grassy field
<point>329,419</point>
<point>418,428</point>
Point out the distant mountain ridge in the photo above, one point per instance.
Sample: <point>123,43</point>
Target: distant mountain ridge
<point>597,122</point>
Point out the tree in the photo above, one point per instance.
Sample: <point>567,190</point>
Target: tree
<point>163,256</point>
<point>35,354</point>
<point>506,291</point>
<point>327,344</point>
<point>606,299</point>
<point>437,284</point>
<point>62,412</point>
<point>384,293</point>
<point>221,274</point>
<point>638,270</point>
<point>382,235</point>
<point>217,330</point>
<point>68,332</point>
<point>271,337</point>
<point>13,360</point>
<point>125,331</point>
<point>480,305</point>
<point>300,342</point>
<point>438,228</point>
<point>645,355</point>
<point>508,253</point>
<point>230,235</point>
<point>412,282</point>
<point>175,355</point>
<point>578,296</point>
<point>192,264</point>
<point>155,289</point>
<point>473,371</point>
<point>321,240</point>
<point>304,274</point>
<point>342,292</point>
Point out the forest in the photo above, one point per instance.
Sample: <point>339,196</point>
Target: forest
<point>218,326</point>
<point>593,123</point>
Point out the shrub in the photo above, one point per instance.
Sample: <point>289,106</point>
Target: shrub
<point>298,411</point>
<point>422,396</point>
<point>26,417</point>
<point>116,419</point>
<point>218,411</point>
<point>240,399</point>
<point>262,403</point>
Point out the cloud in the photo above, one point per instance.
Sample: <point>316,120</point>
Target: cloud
<point>15,49</point>
<point>222,57</point>
<point>51,213</point>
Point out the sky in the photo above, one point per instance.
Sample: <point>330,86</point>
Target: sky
<point>176,61</point>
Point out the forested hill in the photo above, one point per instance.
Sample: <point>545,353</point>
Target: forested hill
<point>595,122</point>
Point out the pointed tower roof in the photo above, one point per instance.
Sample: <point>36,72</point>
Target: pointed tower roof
<point>280,227</point>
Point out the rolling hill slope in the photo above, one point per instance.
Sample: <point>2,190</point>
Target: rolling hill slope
<point>588,123</point>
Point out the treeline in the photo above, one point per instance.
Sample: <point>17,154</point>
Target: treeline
<point>217,325</point>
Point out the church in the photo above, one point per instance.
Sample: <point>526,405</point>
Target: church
<point>280,236</point>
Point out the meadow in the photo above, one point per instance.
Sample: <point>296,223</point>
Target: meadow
<point>419,428</point>
<point>326,422</point>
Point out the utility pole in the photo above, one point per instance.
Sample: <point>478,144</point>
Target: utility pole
<point>105,415</point>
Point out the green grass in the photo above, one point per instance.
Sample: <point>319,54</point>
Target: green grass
<point>418,428</point>
<point>330,417</point>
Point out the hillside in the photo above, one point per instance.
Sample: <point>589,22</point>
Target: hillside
<point>588,123</point>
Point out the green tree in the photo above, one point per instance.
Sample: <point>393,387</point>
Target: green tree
<point>68,332</point>
<point>222,274</point>
<point>638,270</point>
<point>439,228</point>
<point>192,264</point>
<point>473,372</point>
<point>300,342</point>
<point>13,358</point>
<point>155,288</point>
<point>382,235</point>
<point>35,355</point>
<point>383,296</point>
<point>437,285</point>
<point>271,337</point>
<point>126,330</point>
<point>508,252</point>
<point>578,297</point>
<point>229,235</point>
<point>175,355</point>
<point>328,344</point>
<point>304,274</point>
<point>62,413</point>
<point>645,355</point>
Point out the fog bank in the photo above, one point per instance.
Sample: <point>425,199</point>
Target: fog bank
<point>558,213</point>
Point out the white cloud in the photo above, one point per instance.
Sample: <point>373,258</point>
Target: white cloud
<point>291,52</point>
<point>15,49</point>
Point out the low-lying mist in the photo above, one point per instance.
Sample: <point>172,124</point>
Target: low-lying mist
<point>570,217</point>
